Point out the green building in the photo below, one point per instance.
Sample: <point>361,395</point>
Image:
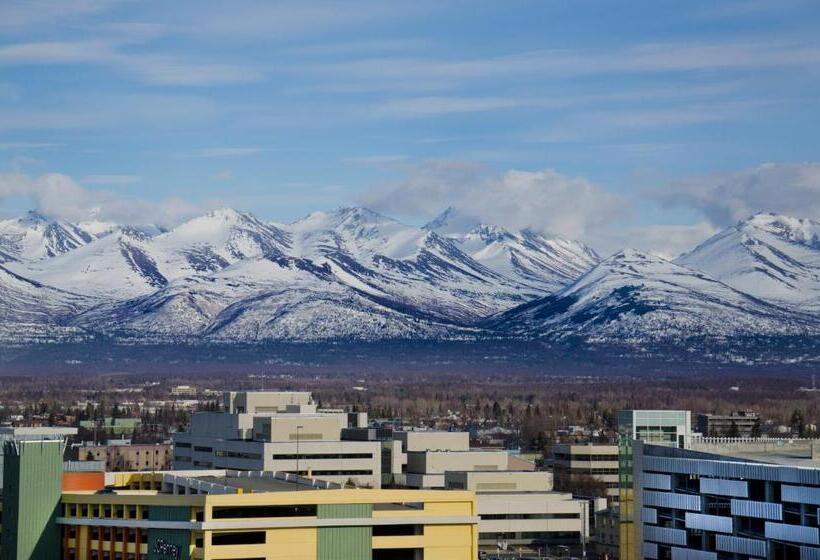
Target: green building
<point>32,489</point>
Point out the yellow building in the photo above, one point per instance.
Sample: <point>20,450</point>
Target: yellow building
<point>263,516</point>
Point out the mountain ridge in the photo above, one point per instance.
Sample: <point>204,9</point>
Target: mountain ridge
<point>355,274</point>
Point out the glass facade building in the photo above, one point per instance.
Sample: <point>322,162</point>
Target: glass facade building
<point>670,428</point>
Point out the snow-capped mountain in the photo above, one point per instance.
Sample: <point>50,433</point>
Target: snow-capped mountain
<point>412,266</point>
<point>30,311</point>
<point>352,273</point>
<point>281,298</point>
<point>25,301</point>
<point>636,297</point>
<point>544,263</point>
<point>773,257</point>
<point>130,263</point>
<point>35,237</point>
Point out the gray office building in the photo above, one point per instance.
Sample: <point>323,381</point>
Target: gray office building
<point>739,501</point>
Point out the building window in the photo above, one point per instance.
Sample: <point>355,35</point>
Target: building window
<point>245,537</point>
<point>264,511</point>
<point>397,530</point>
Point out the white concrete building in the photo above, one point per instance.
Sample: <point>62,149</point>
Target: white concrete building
<point>520,510</point>
<point>281,433</point>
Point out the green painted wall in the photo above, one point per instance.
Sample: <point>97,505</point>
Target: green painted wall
<point>32,487</point>
<point>169,544</point>
<point>345,543</point>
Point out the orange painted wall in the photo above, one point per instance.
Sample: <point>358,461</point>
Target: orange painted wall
<point>74,481</point>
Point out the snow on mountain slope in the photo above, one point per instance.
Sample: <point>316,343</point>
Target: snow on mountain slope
<point>266,298</point>
<point>772,257</point>
<point>636,297</point>
<point>409,265</point>
<point>543,263</point>
<point>36,237</point>
<point>129,263</point>
<point>117,266</point>
<point>25,301</point>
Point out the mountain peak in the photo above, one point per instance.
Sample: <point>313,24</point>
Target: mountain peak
<point>360,214</point>
<point>452,221</point>
<point>799,230</point>
<point>229,215</point>
<point>635,255</point>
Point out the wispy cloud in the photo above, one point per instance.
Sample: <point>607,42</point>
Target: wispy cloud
<point>223,152</point>
<point>376,159</point>
<point>23,13</point>
<point>110,180</point>
<point>93,111</point>
<point>630,59</point>
<point>164,69</point>
<point>28,145</point>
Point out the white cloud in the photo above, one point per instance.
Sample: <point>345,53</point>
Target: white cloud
<point>110,180</point>
<point>545,200</point>
<point>725,198</point>
<point>667,240</point>
<point>60,196</point>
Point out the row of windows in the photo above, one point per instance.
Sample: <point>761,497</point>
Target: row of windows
<point>71,554</point>
<point>573,457</point>
<point>117,511</point>
<point>307,510</point>
<point>543,536</point>
<point>238,455</point>
<point>301,456</point>
<point>531,516</point>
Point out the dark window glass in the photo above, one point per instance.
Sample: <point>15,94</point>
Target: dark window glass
<point>247,537</point>
<point>397,530</point>
<point>264,511</point>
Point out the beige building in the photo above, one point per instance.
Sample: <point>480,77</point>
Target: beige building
<point>426,469</point>
<point>282,432</point>
<point>572,464</point>
<point>520,511</point>
<point>258,402</point>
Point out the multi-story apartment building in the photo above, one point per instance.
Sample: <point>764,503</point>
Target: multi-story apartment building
<point>279,432</point>
<point>220,515</point>
<point>742,424</point>
<point>752,499</point>
<point>572,464</point>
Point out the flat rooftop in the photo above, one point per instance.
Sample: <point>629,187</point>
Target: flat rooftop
<point>787,458</point>
<point>258,484</point>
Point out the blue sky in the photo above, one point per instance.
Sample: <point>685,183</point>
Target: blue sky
<point>643,123</point>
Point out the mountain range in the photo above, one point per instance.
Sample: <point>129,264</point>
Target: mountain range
<point>354,274</point>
